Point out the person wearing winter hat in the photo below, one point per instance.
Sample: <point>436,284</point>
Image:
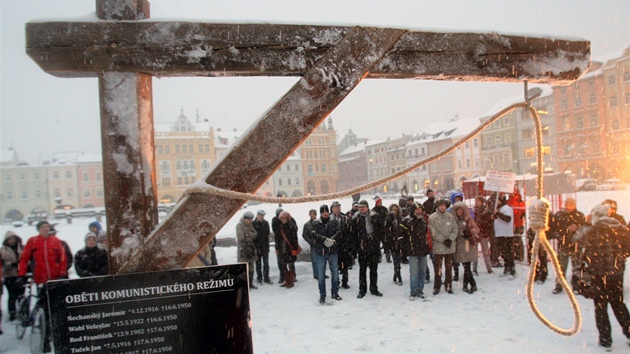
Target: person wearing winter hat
<point>10,256</point>
<point>367,230</point>
<point>566,223</point>
<point>344,242</point>
<point>275,225</point>
<point>101,235</point>
<point>91,260</point>
<point>262,247</point>
<point>307,235</point>
<point>66,247</point>
<point>246,244</point>
<point>606,246</point>
<point>324,233</point>
<point>443,227</point>
<point>287,247</point>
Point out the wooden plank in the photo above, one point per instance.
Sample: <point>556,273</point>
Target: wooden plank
<point>197,218</point>
<point>81,49</point>
<point>128,149</point>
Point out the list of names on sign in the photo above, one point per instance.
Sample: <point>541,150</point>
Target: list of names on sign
<point>182,311</point>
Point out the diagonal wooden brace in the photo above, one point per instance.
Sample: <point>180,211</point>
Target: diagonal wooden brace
<point>197,218</point>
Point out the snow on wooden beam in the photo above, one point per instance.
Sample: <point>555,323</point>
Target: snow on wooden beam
<point>128,148</point>
<point>197,218</point>
<point>82,49</point>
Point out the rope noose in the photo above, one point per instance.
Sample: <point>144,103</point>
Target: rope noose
<point>538,212</point>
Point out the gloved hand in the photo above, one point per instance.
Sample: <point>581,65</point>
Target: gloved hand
<point>329,242</point>
<point>448,242</point>
<point>467,233</point>
<point>14,265</point>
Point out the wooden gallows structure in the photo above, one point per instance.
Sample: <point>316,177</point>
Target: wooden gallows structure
<point>124,50</point>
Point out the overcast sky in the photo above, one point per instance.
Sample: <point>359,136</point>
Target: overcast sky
<point>42,114</point>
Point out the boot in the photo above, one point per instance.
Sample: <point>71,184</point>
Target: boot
<point>398,276</point>
<point>455,274</point>
<point>289,277</point>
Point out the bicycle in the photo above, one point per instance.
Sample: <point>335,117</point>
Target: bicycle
<point>31,317</point>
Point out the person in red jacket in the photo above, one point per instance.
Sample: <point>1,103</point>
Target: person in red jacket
<point>49,263</point>
<point>518,206</point>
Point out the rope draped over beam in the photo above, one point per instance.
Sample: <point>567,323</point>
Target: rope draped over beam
<point>537,210</point>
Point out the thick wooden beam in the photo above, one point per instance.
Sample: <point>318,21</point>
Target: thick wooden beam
<point>197,218</point>
<point>82,49</point>
<point>128,148</point>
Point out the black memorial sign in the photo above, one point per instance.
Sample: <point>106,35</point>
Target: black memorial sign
<point>198,310</point>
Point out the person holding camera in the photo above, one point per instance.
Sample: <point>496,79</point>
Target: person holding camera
<point>10,255</point>
<point>466,244</point>
<point>443,228</point>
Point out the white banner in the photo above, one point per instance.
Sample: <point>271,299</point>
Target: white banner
<point>499,181</point>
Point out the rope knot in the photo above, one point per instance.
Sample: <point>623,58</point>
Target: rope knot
<point>538,210</point>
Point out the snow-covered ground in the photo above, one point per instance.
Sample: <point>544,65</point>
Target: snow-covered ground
<point>496,319</point>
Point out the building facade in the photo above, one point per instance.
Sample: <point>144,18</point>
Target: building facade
<point>90,181</point>
<point>319,160</point>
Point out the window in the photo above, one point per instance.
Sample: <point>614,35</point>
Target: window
<point>506,158</point>
<point>564,105</point>
<point>626,76</point>
<point>160,149</point>
<point>309,169</point>
<point>24,195</point>
<point>489,142</point>
<point>592,98</point>
<point>98,176</point>
<point>578,101</point>
<point>289,181</point>
<point>279,181</point>
<point>611,80</point>
<point>38,193</point>
<point>477,162</point>
<point>496,160</point>
<point>207,148</point>
<point>190,148</point>
<point>22,176</point>
<point>183,149</point>
<point>177,149</point>
<point>70,192</point>
<point>467,145</point>
<point>579,121</point>
<point>68,174</point>
<point>468,163</point>
<point>35,175</point>
<point>166,182</point>
<point>497,140</point>
<point>508,139</point>
<point>296,167</point>
<point>165,168</point>
<point>86,177</point>
<point>180,181</point>
<point>564,123</point>
<point>9,195</point>
<point>200,148</point>
<point>57,193</point>
<point>86,193</point>
<point>205,165</point>
<point>459,164</point>
<point>99,192</point>
<point>55,175</point>
<point>288,168</point>
<point>475,143</point>
<point>323,168</point>
<point>528,133</point>
<point>613,101</point>
<point>297,181</point>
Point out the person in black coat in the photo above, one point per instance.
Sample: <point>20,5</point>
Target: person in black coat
<point>287,246</point>
<point>262,247</point>
<point>566,223</point>
<point>605,245</point>
<point>367,229</point>
<point>416,246</point>
<point>90,261</point>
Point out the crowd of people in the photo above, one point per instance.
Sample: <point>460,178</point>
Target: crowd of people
<point>46,257</point>
<point>448,232</point>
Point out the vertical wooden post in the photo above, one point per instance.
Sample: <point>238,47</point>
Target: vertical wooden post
<point>126,103</point>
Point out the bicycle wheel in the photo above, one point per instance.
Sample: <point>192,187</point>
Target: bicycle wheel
<point>38,331</point>
<point>22,316</point>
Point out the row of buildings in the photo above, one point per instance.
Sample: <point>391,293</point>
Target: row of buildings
<point>585,133</point>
